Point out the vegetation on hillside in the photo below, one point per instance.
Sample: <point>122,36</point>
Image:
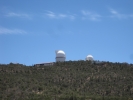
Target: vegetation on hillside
<point>72,80</point>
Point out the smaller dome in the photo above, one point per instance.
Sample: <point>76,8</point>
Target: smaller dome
<point>60,53</point>
<point>89,57</point>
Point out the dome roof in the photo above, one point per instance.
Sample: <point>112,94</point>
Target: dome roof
<point>60,53</point>
<point>89,57</point>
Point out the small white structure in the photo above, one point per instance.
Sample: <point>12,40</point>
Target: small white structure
<point>89,58</point>
<point>60,56</point>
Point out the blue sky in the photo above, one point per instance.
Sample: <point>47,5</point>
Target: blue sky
<point>31,30</point>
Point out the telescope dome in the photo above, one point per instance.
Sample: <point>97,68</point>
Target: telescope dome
<point>89,57</point>
<point>60,55</point>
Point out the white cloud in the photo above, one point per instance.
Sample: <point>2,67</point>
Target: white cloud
<point>21,15</point>
<point>62,15</point>
<point>90,15</point>
<point>11,31</point>
<point>50,14</point>
<point>113,11</point>
<point>53,15</point>
<point>116,14</point>
<point>72,17</point>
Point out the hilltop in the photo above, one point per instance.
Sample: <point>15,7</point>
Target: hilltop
<point>72,80</point>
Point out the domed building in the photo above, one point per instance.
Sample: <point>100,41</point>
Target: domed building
<point>89,58</point>
<point>60,56</point>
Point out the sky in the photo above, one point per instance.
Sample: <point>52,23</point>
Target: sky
<point>31,30</point>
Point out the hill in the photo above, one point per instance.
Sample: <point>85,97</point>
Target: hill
<point>72,80</point>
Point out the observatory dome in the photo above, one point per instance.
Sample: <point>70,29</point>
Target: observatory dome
<point>89,57</point>
<point>60,55</point>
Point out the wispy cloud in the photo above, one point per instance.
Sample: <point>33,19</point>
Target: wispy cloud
<point>90,15</point>
<point>53,15</point>
<point>21,15</point>
<point>116,14</point>
<point>50,14</point>
<point>11,31</point>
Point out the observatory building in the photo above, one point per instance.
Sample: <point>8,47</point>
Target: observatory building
<point>60,56</point>
<point>89,58</point>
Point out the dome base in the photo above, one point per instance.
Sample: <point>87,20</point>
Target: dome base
<point>60,59</point>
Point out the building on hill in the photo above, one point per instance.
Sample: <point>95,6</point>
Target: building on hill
<point>60,56</point>
<point>89,58</point>
<point>44,64</point>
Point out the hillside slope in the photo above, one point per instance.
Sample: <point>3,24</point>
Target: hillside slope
<point>72,80</point>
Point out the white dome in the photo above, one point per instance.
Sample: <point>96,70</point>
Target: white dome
<point>89,57</point>
<point>60,53</point>
<point>60,56</point>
